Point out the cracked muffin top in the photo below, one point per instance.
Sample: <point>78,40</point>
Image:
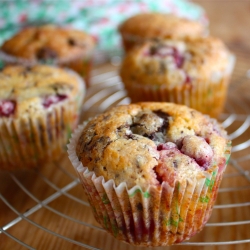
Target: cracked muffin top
<point>26,91</point>
<point>159,25</point>
<point>175,62</point>
<point>148,143</point>
<point>48,42</point>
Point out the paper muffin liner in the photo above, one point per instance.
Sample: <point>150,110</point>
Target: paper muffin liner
<point>82,63</point>
<point>158,216</point>
<point>31,141</point>
<point>205,95</point>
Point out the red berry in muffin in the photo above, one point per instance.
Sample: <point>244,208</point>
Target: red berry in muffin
<point>7,108</point>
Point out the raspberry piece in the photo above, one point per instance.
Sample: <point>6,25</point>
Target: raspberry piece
<point>53,99</point>
<point>163,51</point>
<point>197,148</point>
<point>188,80</point>
<point>7,108</point>
<point>178,58</point>
<point>166,146</point>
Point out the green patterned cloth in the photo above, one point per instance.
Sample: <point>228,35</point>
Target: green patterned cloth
<point>97,17</point>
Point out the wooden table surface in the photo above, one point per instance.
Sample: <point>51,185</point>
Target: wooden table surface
<point>46,208</point>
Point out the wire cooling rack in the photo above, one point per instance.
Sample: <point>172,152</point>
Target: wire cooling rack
<point>47,209</point>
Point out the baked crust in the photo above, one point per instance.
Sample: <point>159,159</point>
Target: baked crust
<point>147,143</point>
<point>48,42</point>
<point>30,88</point>
<point>159,25</point>
<point>203,59</point>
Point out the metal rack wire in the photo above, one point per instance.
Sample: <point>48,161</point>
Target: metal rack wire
<point>48,191</point>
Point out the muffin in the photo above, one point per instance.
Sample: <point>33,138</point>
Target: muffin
<point>51,44</point>
<point>194,72</point>
<point>39,107</point>
<point>151,171</point>
<point>143,27</point>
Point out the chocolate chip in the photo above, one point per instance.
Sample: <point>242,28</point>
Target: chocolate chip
<point>125,126</point>
<point>60,86</point>
<point>46,53</point>
<point>150,125</point>
<point>97,159</point>
<point>151,136</point>
<point>161,114</point>
<point>131,136</point>
<point>153,50</point>
<point>106,117</point>
<point>71,42</point>
<point>99,144</point>
<point>165,117</point>
<point>175,164</point>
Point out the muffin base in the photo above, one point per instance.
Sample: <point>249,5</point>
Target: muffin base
<point>208,99</point>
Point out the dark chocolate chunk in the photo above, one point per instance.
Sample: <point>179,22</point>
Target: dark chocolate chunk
<point>46,54</point>
<point>71,42</point>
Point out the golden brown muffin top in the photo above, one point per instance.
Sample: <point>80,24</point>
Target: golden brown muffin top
<point>159,25</point>
<point>48,42</point>
<point>174,62</point>
<point>148,143</point>
<point>30,91</point>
